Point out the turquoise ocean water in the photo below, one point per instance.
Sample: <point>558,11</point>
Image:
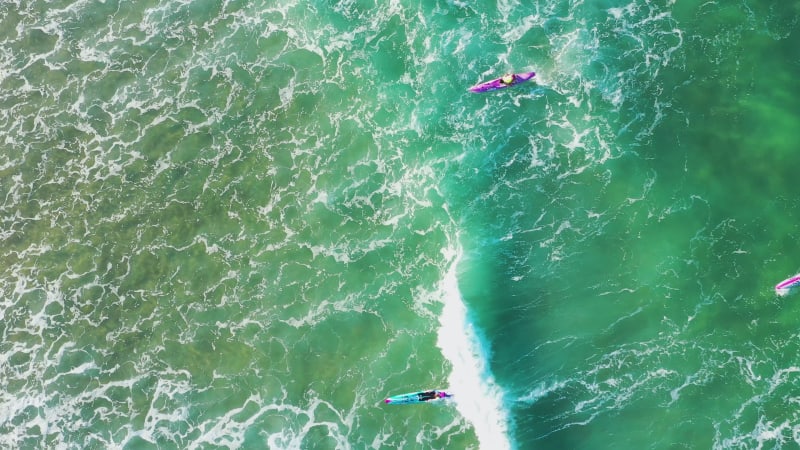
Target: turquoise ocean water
<point>242,224</point>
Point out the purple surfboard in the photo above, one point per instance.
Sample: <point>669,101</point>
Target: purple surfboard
<point>787,285</point>
<point>498,83</point>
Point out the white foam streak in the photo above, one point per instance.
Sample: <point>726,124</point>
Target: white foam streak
<point>542,391</point>
<point>228,430</point>
<point>477,396</point>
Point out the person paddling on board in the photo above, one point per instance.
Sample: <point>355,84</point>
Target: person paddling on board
<point>508,79</point>
<point>427,395</point>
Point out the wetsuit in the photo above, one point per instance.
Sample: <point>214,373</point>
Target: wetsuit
<point>425,396</point>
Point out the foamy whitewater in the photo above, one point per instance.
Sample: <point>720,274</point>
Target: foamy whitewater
<point>478,398</point>
<point>243,224</point>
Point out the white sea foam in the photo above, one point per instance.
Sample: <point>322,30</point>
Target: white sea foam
<point>544,389</point>
<point>477,396</point>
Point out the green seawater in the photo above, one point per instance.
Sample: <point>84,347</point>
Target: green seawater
<point>243,224</point>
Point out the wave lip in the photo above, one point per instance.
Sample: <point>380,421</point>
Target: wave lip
<point>477,396</point>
